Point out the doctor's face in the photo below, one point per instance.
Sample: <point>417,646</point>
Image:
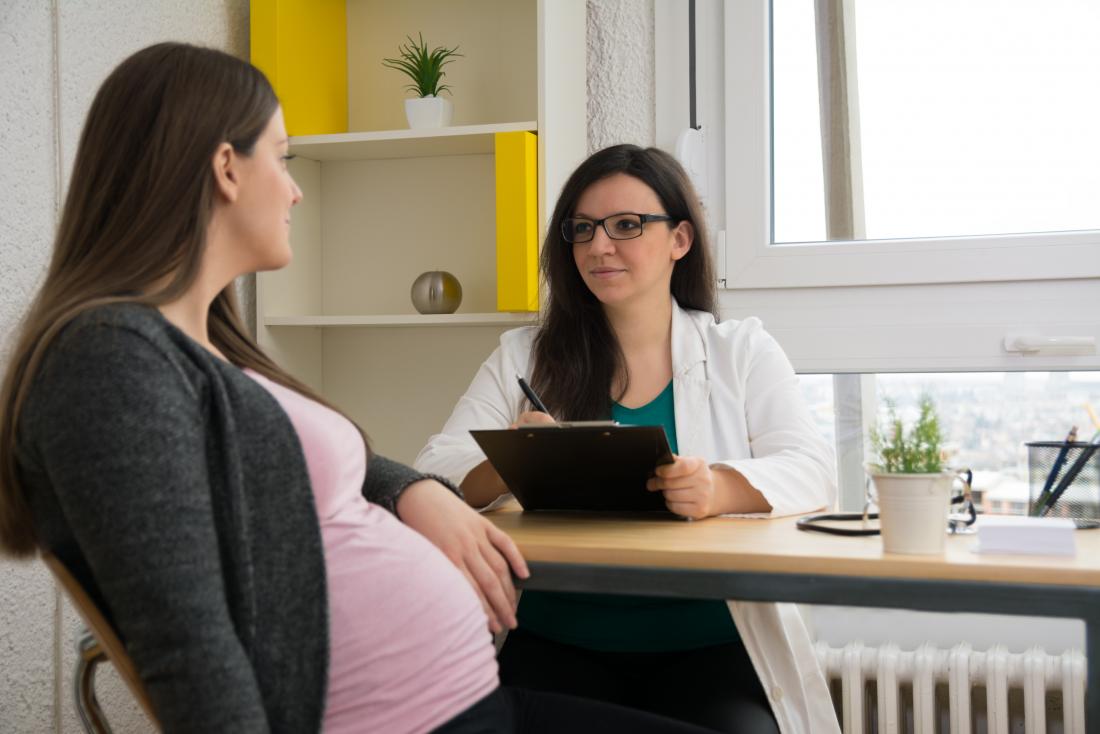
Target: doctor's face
<point>635,265</point>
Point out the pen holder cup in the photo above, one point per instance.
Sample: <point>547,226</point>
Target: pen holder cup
<point>1079,498</point>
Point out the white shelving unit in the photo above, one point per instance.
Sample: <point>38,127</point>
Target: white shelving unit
<point>407,320</point>
<point>384,203</point>
<point>455,140</point>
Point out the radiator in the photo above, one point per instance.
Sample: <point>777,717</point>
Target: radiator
<point>855,669</point>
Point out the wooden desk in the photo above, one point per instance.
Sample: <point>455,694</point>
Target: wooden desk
<point>771,560</point>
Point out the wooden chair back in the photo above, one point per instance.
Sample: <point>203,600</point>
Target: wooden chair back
<point>104,634</point>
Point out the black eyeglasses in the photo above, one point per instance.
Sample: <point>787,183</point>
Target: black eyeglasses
<point>622,226</point>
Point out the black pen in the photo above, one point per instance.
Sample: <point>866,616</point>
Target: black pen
<point>1059,460</point>
<point>538,405</point>
<point>1071,474</point>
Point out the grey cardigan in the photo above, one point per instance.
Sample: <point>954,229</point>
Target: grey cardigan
<point>176,489</point>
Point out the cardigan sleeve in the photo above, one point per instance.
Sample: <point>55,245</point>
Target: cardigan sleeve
<point>115,431</point>
<point>386,479</point>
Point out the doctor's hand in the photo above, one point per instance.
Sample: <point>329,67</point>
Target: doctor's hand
<point>695,489</point>
<point>688,484</point>
<point>485,555</point>
<point>532,418</point>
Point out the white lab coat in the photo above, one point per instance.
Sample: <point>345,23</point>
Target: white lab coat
<point>737,404</point>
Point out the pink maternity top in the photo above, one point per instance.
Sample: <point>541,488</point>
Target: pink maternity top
<point>410,643</point>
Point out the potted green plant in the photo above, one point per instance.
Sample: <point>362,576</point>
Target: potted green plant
<point>913,487</point>
<point>917,451</point>
<point>425,69</point>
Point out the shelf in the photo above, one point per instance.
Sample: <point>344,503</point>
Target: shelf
<point>459,140</point>
<point>448,319</point>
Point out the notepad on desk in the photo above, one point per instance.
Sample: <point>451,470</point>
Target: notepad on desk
<point>1044,536</point>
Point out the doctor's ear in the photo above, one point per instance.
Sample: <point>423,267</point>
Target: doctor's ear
<point>226,176</point>
<point>683,238</point>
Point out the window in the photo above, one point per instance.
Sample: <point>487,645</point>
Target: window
<point>817,390</point>
<point>986,418</point>
<point>938,280</point>
<point>909,300</point>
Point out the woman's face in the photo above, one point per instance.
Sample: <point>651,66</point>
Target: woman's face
<point>622,272</point>
<point>259,219</point>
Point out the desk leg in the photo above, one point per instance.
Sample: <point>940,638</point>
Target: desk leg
<point>1092,671</point>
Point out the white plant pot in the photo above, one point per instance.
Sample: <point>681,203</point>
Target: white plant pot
<point>426,112</point>
<point>913,511</point>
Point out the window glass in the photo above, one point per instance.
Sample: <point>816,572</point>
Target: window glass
<point>971,117</point>
<point>987,418</point>
<point>799,186</point>
<point>818,393</point>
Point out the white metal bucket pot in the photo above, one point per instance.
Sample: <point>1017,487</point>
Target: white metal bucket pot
<point>913,511</point>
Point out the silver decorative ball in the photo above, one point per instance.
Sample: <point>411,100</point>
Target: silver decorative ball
<point>436,291</point>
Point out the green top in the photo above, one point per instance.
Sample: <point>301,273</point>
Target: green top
<point>620,623</point>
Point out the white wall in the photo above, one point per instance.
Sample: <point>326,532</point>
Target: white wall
<point>53,56</point>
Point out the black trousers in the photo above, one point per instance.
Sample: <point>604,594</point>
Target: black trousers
<point>518,711</point>
<point>714,687</point>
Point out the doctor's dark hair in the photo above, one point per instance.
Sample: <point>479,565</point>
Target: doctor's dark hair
<point>134,223</point>
<point>577,356</point>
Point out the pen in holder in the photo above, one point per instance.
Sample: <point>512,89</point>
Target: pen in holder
<point>1064,480</point>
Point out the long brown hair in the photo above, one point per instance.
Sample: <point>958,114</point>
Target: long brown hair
<point>577,357</point>
<point>136,214</point>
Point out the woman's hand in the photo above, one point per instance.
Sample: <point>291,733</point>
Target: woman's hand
<point>533,418</point>
<point>693,489</point>
<point>484,554</point>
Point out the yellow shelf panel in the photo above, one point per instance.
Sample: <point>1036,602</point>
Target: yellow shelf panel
<point>302,47</point>
<point>517,222</point>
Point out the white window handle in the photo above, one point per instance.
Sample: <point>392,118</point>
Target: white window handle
<point>1033,344</point>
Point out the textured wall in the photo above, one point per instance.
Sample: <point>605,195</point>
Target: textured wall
<point>620,73</point>
<point>27,196</point>
<point>37,632</point>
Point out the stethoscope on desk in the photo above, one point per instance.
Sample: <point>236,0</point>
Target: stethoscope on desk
<point>955,524</point>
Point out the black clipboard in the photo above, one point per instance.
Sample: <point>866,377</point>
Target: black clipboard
<point>595,466</point>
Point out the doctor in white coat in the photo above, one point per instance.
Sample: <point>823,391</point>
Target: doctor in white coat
<point>630,333</point>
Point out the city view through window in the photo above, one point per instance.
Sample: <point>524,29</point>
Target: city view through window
<point>986,419</point>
